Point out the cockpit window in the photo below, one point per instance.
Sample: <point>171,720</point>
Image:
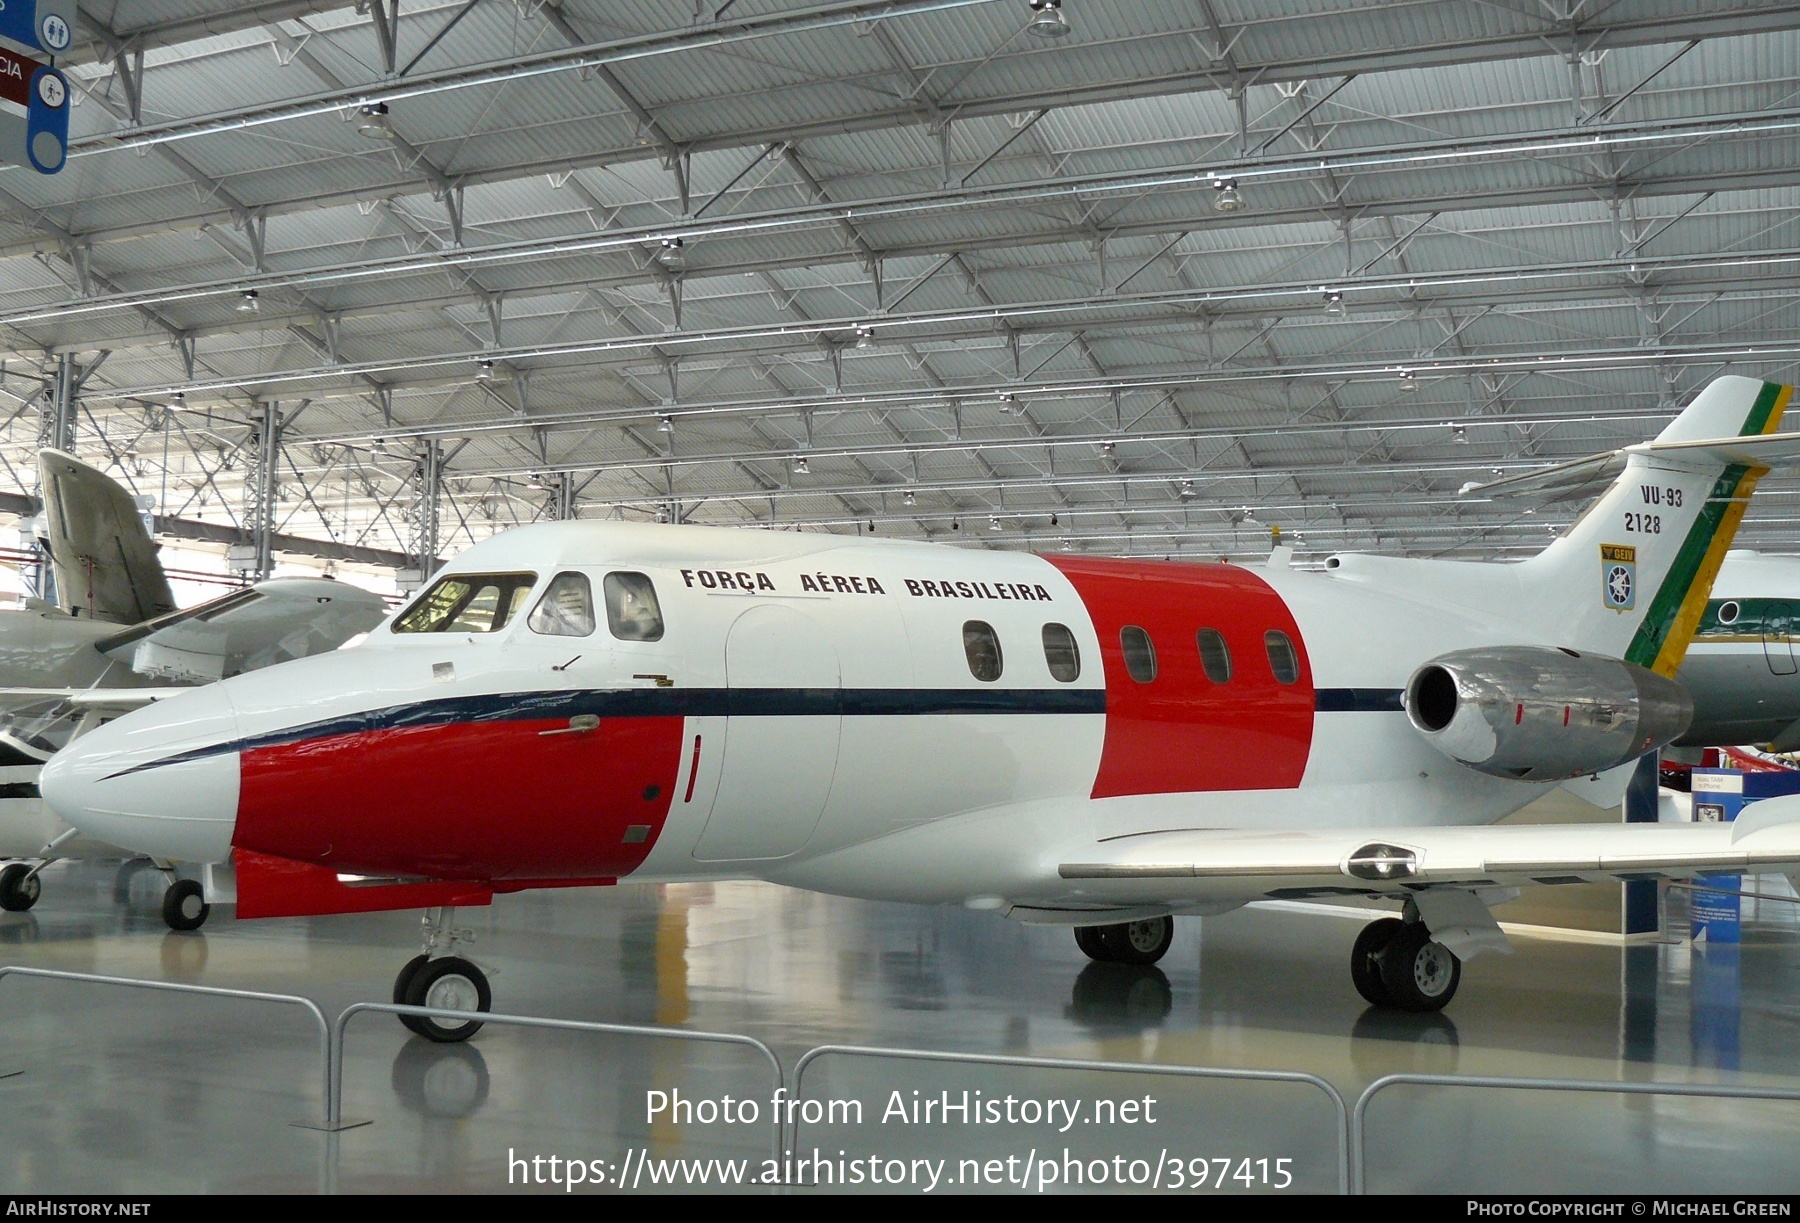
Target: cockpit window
<point>467,603</point>
<point>567,608</point>
<point>632,612</point>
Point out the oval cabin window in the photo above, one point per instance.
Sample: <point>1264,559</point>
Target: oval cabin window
<point>1061,653</point>
<point>1140,653</point>
<point>1215,655</point>
<point>1282,660</point>
<point>982,648</point>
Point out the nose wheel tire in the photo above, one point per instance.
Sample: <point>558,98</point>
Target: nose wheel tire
<point>447,984</point>
<point>19,888</point>
<point>1365,959</point>
<point>1132,942</point>
<point>184,905</point>
<point>404,980</point>
<point>1418,973</point>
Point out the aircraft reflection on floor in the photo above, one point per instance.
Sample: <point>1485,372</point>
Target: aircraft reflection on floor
<point>798,970</point>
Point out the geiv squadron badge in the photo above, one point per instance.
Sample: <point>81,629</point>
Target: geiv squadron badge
<point>1618,576</point>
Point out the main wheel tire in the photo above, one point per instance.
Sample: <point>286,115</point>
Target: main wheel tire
<point>1138,942</point>
<point>19,888</point>
<point>184,905</point>
<point>1365,959</point>
<point>1419,973</point>
<point>447,984</point>
<point>406,974</point>
<point>1092,945</point>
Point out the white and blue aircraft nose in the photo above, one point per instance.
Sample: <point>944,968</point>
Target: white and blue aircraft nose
<point>161,781</point>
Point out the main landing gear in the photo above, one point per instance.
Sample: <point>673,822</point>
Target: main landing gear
<point>1132,942</point>
<point>1397,964</point>
<point>439,979</point>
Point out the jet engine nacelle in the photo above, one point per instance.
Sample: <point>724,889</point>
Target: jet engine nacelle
<point>1537,714</point>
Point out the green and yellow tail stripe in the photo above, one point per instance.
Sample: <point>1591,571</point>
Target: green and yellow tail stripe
<point>1669,623</point>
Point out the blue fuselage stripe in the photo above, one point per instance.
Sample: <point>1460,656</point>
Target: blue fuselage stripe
<point>722,702</point>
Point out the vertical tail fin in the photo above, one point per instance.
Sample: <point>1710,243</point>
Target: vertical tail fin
<point>1631,577</point>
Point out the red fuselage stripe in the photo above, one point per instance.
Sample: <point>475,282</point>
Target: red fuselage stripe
<point>1181,732</point>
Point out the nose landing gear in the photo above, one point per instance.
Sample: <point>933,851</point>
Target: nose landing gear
<point>1132,942</point>
<point>439,979</point>
<point>1397,964</point>
<point>19,888</point>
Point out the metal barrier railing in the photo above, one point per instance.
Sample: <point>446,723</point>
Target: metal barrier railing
<point>1341,1113</point>
<point>172,987</point>
<point>1359,1115</point>
<point>334,1092</point>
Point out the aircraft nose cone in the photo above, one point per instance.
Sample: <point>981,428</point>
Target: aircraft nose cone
<point>161,781</point>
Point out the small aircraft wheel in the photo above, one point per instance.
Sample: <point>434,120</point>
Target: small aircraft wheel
<point>184,905</point>
<point>1092,945</point>
<point>1365,959</point>
<point>1138,942</point>
<point>1419,973</point>
<point>19,888</point>
<point>447,984</point>
<point>407,973</point>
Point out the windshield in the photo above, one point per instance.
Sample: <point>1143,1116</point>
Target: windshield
<point>467,603</point>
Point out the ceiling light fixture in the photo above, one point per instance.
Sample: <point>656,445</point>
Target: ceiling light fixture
<point>1334,302</point>
<point>665,424</point>
<point>1225,195</point>
<point>1047,20</point>
<point>1187,491</point>
<point>672,254</point>
<point>1460,433</point>
<point>908,498</point>
<point>802,467</point>
<point>484,371</point>
<point>1409,381</point>
<point>249,302</point>
<point>372,121</point>
<point>993,523</point>
<point>864,335</point>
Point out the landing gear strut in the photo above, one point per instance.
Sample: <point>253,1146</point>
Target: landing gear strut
<point>1397,964</point>
<point>443,981</point>
<point>1132,942</point>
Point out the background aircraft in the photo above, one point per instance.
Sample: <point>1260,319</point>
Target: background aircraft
<point>1742,668</point>
<point>1061,739</point>
<point>117,641</point>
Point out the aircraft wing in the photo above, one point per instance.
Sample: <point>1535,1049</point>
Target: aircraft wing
<point>271,622</point>
<point>104,559</point>
<point>1204,864</point>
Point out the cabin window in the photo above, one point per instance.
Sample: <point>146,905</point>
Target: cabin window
<point>1061,653</point>
<point>567,608</point>
<point>1140,653</point>
<point>1282,660</point>
<point>1215,655</point>
<point>632,612</point>
<point>467,603</point>
<point>982,648</point>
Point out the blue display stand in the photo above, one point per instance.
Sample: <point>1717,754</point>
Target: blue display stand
<point>1719,796</point>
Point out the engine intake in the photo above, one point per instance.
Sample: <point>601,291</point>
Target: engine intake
<point>1537,714</point>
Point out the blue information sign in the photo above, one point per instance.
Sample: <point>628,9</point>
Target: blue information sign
<point>46,26</point>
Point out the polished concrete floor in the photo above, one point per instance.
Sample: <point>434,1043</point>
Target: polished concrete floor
<point>125,1091</point>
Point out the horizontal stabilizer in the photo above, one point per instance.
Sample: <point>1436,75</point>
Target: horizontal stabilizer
<point>1579,477</point>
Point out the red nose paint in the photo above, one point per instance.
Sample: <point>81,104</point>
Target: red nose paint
<point>481,800</point>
